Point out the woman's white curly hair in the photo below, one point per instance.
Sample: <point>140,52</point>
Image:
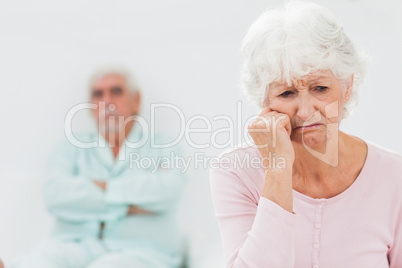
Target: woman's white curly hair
<point>293,41</point>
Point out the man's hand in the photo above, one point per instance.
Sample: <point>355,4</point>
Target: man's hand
<point>136,210</point>
<point>1,264</point>
<point>101,184</point>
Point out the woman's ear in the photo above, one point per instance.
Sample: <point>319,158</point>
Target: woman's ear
<point>349,89</point>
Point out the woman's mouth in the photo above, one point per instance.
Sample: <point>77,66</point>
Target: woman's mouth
<point>312,126</point>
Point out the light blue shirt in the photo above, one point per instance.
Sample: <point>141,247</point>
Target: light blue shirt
<point>79,205</point>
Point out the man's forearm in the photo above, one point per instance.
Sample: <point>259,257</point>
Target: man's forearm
<point>132,210</point>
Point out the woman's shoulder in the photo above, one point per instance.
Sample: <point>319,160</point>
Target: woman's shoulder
<point>238,172</point>
<point>383,156</point>
<point>244,158</point>
<point>243,150</point>
<point>243,161</point>
<point>384,163</point>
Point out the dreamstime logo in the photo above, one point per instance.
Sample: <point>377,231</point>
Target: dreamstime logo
<point>237,131</point>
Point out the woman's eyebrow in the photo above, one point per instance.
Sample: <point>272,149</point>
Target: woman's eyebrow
<point>319,77</point>
<point>323,79</point>
<point>279,87</point>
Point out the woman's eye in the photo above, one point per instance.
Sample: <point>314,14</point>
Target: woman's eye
<point>321,88</point>
<point>286,94</point>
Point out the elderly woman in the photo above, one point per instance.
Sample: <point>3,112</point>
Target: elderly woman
<point>319,197</point>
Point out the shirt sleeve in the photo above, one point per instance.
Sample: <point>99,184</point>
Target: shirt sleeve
<point>156,189</point>
<point>72,197</point>
<point>395,252</point>
<point>255,233</point>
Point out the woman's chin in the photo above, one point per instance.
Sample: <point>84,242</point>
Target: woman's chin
<point>312,139</point>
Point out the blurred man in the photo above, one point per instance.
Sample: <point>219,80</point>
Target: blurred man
<point>107,212</point>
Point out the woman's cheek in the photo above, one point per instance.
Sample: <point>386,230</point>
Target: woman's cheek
<point>333,112</point>
<point>284,107</point>
<point>273,103</point>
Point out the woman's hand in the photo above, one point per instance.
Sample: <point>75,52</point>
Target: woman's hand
<point>270,132</point>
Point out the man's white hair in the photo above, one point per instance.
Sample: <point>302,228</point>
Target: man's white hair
<point>293,41</point>
<point>114,69</point>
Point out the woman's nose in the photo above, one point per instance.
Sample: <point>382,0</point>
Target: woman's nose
<point>305,107</point>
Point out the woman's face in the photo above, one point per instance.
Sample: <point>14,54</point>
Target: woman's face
<point>314,105</point>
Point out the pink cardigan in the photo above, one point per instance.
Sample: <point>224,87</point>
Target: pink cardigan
<point>359,228</point>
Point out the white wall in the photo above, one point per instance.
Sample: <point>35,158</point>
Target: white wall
<point>184,52</point>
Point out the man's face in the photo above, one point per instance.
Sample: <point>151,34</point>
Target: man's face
<point>115,102</point>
